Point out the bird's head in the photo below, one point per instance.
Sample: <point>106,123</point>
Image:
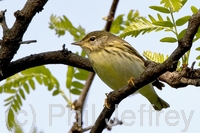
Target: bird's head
<point>95,41</point>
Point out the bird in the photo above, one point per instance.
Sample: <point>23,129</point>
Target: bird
<point>115,61</point>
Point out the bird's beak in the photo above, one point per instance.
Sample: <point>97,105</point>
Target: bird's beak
<point>79,43</point>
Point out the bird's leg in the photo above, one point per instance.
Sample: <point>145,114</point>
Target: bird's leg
<point>106,102</point>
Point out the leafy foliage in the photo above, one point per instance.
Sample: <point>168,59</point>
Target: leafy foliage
<point>74,78</point>
<point>173,5</point>
<point>63,24</point>
<point>156,57</point>
<point>20,84</point>
<point>143,25</point>
<point>119,23</point>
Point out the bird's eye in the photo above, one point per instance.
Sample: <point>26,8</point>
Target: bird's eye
<point>92,38</point>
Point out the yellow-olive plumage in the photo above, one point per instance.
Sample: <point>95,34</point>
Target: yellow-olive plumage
<point>115,62</point>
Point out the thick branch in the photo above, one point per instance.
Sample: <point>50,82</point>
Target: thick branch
<point>54,57</point>
<point>187,76</point>
<point>175,79</point>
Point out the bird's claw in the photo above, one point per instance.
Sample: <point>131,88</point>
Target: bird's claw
<point>106,102</point>
<point>131,81</point>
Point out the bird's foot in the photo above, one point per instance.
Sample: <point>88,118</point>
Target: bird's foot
<point>131,81</point>
<point>106,102</point>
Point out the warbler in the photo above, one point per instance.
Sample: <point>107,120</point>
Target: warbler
<point>115,61</point>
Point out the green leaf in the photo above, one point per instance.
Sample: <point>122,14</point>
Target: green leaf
<point>31,83</point>
<point>45,80</point>
<point>116,24</point>
<point>18,129</point>
<point>142,26</point>
<point>56,92</point>
<point>77,84</point>
<point>21,92</point>
<point>198,57</point>
<point>168,39</point>
<point>70,73</point>
<point>83,54</point>
<point>11,91</point>
<point>39,79</point>
<point>75,91</point>
<point>50,87</point>
<point>183,2</point>
<point>7,86</point>
<point>163,23</point>
<point>14,108</point>
<point>159,17</point>
<point>10,119</point>
<point>194,9</point>
<point>198,33</point>
<point>182,21</point>
<point>67,22</point>
<point>185,58</point>
<point>45,71</point>
<point>54,82</point>
<point>81,76</point>
<point>8,99</point>
<point>181,34</point>
<point>26,87</point>
<point>16,83</point>
<point>168,19</point>
<point>129,16</point>
<point>174,5</point>
<point>8,103</point>
<point>198,49</point>
<point>157,57</point>
<point>152,18</point>
<point>16,105</point>
<point>19,99</point>
<point>160,9</point>
<point>63,24</point>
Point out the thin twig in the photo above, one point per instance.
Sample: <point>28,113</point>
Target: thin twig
<point>28,42</point>
<point>78,105</point>
<point>3,20</point>
<point>111,15</point>
<point>109,126</point>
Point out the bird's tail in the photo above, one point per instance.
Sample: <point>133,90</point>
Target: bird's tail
<point>149,92</point>
<point>160,104</point>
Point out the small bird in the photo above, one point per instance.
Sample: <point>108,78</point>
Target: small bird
<point>115,61</point>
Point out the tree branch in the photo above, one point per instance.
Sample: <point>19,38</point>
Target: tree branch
<point>12,36</point>
<point>54,57</point>
<point>187,76</point>
<point>149,75</point>
<point>3,20</point>
<point>111,15</point>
